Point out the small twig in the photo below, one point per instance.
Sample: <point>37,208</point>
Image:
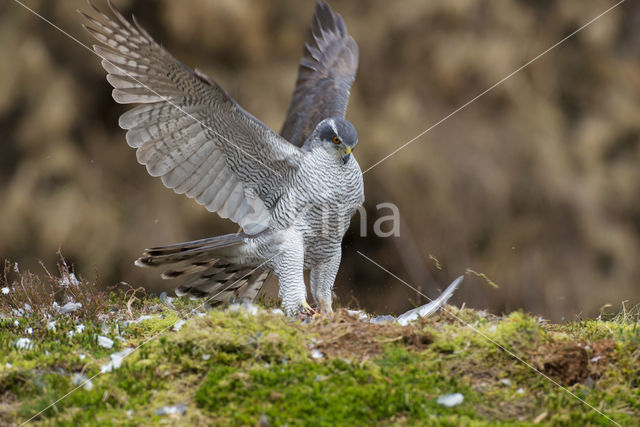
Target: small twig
<point>132,299</point>
<point>386,340</point>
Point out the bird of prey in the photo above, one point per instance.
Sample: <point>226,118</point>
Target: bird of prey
<point>292,194</point>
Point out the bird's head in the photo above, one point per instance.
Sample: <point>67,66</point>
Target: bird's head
<point>337,134</point>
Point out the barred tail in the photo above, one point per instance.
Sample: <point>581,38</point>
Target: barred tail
<point>225,282</point>
<point>207,266</point>
<point>196,250</point>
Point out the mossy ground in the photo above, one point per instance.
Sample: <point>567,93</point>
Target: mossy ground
<point>233,366</point>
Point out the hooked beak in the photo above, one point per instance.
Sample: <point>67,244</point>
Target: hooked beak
<point>345,154</point>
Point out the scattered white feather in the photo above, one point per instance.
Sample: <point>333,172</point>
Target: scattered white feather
<point>317,354</point>
<point>506,381</point>
<point>79,328</point>
<point>51,326</point>
<point>81,356</point>
<point>166,299</point>
<point>67,280</point>
<point>361,315</point>
<point>15,268</point>
<point>29,330</point>
<point>5,290</point>
<point>116,360</point>
<point>70,307</point>
<point>249,307</point>
<point>451,400</point>
<point>520,390</point>
<point>118,357</point>
<point>408,317</point>
<point>105,342</point>
<point>432,307</point>
<point>385,318</point>
<point>178,409</point>
<point>24,344</point>
<point>28,308</point>
<point>206,356</point>
<point>179,324</point>
<point>8,365</point>
<point>79,379</point>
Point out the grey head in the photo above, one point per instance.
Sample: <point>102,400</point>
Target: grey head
<point>337,134</point>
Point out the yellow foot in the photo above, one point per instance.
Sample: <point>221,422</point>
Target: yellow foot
<point>307,311</point>
<point>326,308</point>
<point>306,307</point>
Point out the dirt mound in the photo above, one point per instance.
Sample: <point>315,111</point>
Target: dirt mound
<point>569,364</point>
<point>576,362</point>
<point>345,335</point>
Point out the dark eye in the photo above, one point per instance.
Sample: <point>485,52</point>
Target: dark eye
<point>336,140</point>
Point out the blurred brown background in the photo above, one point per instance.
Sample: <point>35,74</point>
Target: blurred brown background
<point>537,184</point>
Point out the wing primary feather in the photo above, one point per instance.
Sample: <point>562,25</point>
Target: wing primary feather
<point>326,72</point>
<point>213,155</point>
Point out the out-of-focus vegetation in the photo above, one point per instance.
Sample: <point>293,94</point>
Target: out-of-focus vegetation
<point>536,184</point>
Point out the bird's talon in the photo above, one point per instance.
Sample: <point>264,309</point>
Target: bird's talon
<point>325,308</point>
<point>306,311</point>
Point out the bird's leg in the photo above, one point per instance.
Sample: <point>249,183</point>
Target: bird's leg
<point>322,277</point>
<point>288,266</point>
<point>293,292</point>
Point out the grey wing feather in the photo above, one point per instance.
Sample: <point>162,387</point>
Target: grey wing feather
<point>327,70</point>
<point>189,131</point>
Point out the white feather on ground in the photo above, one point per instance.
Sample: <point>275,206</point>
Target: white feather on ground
<point>431,307</point>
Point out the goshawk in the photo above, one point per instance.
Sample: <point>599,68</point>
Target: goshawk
<point>292,193</point>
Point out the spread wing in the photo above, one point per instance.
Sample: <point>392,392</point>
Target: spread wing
<point>188,131</point>
<point>327,70</point>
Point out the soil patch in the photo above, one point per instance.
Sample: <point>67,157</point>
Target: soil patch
<point>575,362</point>
<point>569,364</point>
<point>344,335</point>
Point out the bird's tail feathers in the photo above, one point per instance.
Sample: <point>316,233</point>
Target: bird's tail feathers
<point>207,266</point>
<point>224,282</point>
<point>195,250</point>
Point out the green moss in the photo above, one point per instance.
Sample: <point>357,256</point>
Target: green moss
<point>337,392</point>
<point>230,367</point>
